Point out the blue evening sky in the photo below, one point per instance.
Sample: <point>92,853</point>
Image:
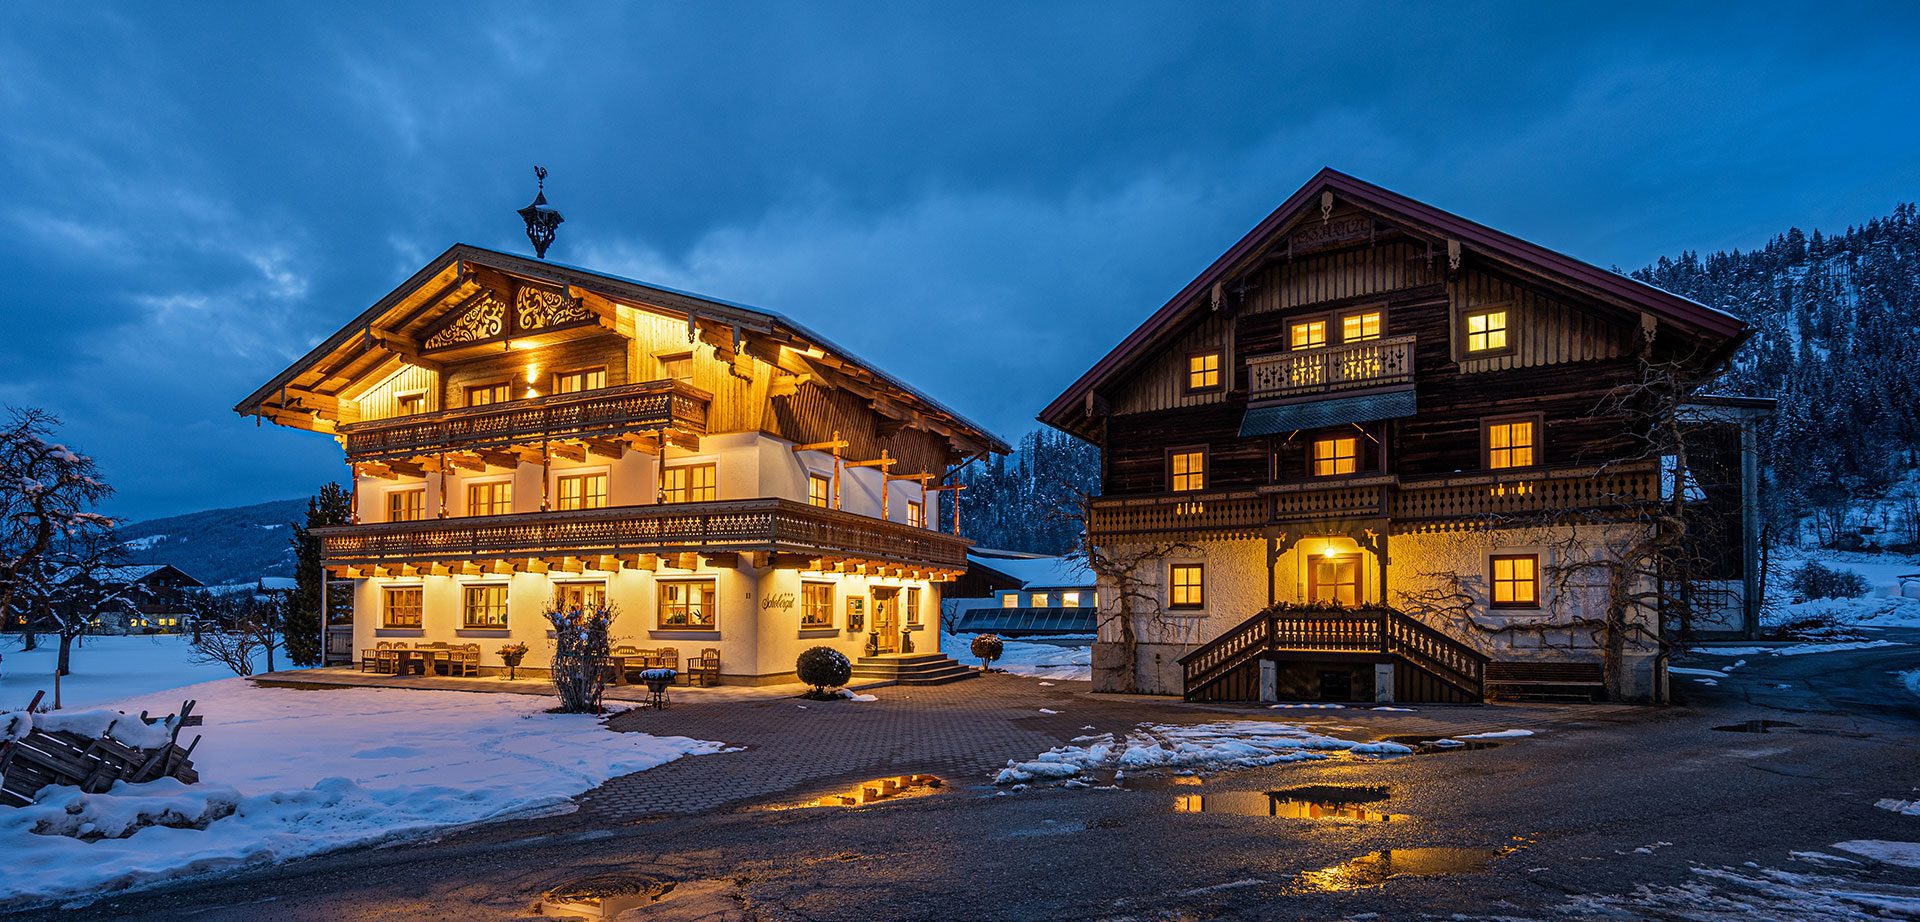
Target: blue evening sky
<point>980,198</point>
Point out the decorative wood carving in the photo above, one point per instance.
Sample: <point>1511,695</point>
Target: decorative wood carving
<point>483,317</point>
<point>537,308</point>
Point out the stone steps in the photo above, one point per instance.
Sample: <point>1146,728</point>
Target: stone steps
<point>912,669</point>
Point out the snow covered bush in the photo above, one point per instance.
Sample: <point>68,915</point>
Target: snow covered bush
<point>823,668</point>
<point>582,648</point>
<point>1814,581</point>
<point>988,648</point>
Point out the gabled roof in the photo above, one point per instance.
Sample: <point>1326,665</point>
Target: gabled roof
<point>386,328</point>
<point>1038,572</point>
<point>1506,249</point>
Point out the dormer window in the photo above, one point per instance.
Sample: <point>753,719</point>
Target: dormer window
<point>1203,372</point>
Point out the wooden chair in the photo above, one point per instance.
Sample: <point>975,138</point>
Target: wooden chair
<point>370,659</point>
<point>466,660</point>
<point>667,658</point>
<point>705,670</point>
<point>386,658</point>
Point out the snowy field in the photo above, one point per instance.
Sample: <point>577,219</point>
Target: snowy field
<point>1881,607</point>
<point>1073,660</point>
<point>106,669</point>
<point>288,773</point>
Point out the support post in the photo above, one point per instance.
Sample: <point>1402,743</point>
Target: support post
<point>546,475</point>
<point>353,493</point>
<point>443,484</point>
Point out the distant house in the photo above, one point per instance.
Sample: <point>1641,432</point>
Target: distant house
<point>151,597</point>
<point>1032,595</point>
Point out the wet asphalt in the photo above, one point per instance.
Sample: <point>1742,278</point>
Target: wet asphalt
<point>1641,813</point>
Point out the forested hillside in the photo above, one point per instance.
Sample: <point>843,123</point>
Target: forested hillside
<point>215,546</point>
<point>1028,501</point>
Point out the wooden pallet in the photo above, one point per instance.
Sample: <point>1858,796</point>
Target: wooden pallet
<point>61,757</point>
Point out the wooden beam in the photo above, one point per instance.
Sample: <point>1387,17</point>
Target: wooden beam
<point>648,562</point>
<point>466,460</point>
<point>792,562</point>
<point>530,565</point>
<point>612,449</point>
<point>686,561</point>
<point>572,451</point>
<point>725,560</point>
<point>611,563</point>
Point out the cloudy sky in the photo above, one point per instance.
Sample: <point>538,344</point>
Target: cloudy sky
<point>981,199</point>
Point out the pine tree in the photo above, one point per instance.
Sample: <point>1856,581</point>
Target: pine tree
<point>302,630</point>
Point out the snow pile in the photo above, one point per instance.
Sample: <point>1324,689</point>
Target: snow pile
<point>1906,807</point>
<point>1798,649</point>
<point>1882,606</point>
<point>1025,657</point>
<point>1494,735</point>
<point>1904,854</point>
<point>126,728</point>
<point>288,773</point>
<point>1911,680</point>
<point>1217,746</point>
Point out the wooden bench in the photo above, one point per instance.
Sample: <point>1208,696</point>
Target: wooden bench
<point>1545,680</point>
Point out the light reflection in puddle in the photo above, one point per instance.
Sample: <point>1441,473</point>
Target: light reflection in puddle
<point>1321,802</point>
<point>1430,744</point>
<point>605,896</point>
<point>1376,868</point>
<point>897,787</point>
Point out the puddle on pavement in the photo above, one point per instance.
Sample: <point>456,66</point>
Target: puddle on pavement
<point>1376,868</point>
<point>1315,802</point>
<point>1430,744</point>
<point>878,790</point>
<point>604,896</point>
<point>1757,726</point>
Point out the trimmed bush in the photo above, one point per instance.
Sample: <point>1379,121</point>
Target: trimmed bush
<point>1814,581</point>
<point>823,668</point>
<point>988,647</point>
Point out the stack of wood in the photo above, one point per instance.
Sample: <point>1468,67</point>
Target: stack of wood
<point>40,756</point>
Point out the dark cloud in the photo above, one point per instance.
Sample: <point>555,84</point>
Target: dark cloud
<point>983,198</point>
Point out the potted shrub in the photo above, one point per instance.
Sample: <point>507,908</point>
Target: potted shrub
<point>988,647</point>
<point>823,668</point>
<point>512,654</point>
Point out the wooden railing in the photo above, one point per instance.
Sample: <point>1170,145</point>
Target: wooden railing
<point>647,406</point>
<point>1413,506</point>
<point>1368,630</point>
<point>1354,366</point>
<point>772,525</point>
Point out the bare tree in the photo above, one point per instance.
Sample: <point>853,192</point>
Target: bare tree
<point>47,495</point>
<point>234,629</point>
<point>1130,592</point>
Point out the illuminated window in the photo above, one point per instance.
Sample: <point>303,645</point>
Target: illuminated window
<point>819,491</point>
<point>1040,600</point>
<point>816,605</point>
<point>1516,580</point>
<point>1203,371</point>
<point>579,596</point>
<point>484,606</point>
<point>917,514</point>
<point>1512,443</point>
<point>583,491</point>
<point>409,404</point>
<point>1010,600</point>
<point>1334,579</point>
<point>1333,456</point>
<point>1185,586</point>
<point>494,497</point>
<point>482,394</point>
<point>1307,334</point>
<point>400,606</point>
<point>1487,331</point>
<point>913,606</point>
<point>689,483</point>
<point>407,505</point>
<point>687,605</point>
<point>1069,600</point>
<point>1187,470</point>
<point>573,382</point>
<point>1360,327</point>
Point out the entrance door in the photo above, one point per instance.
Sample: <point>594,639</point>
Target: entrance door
<point>886,618</point>
<point>1334,579</point>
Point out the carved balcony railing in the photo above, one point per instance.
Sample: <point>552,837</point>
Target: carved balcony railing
<point>1356,366</point>
<point>774,526</point>
<point>1441,504</point>
<point>644,407</point>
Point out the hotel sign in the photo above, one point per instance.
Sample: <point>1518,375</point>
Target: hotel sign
<point>1320,235</point>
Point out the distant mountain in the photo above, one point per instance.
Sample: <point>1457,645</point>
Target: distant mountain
<point>216,546</point>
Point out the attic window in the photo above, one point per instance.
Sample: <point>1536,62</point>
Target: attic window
<point>1203,372</point>
<point>1487,330</point>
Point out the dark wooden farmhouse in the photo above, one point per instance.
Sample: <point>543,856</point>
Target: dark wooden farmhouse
<point>1377,451</point>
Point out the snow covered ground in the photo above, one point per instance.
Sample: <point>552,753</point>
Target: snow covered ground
<point>1226,744</point>
<point>1073,660</point>
<point>106,668</point>
<point>1882,606</point>
<point>287,773</point>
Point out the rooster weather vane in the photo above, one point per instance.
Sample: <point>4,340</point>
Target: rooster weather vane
<point>542,219</point>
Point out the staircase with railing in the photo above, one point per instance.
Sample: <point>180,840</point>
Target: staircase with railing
<point>1367,630</point>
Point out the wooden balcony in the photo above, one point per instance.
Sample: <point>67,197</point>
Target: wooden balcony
<point>1439,504</point>
<point>794,533</point>
<point>651,406</point>
<point>1360,366</point>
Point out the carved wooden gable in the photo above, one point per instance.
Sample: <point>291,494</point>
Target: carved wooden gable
<point>485,316</point>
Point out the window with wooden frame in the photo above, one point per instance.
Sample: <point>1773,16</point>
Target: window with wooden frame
<point>400,606</point>
<point>1307,334</point>
<point>687,605</point>
<point>1514,580</point>
<point>1360,326</point>
<point>1486,331</point>
<point>916,513</point>
<point>1203,371</point>
<point>579,596</point>
<point>480,395</point>
<point>1512,441</point>
<point>912,605</point>
<point>493,497</point>
<point>407,505</point>
<point>1187,469</point>
<point>1039,600</point>
<point>689,483</point>
<point>584,379</point>
<point>816,605</point>
<point>484,607</point>
<point>1336,455</point>
<point>581,491</point>
<point>410,404</point>
<point>1186,585</point>
<point>1334,579</point>
<point>819,491</point>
